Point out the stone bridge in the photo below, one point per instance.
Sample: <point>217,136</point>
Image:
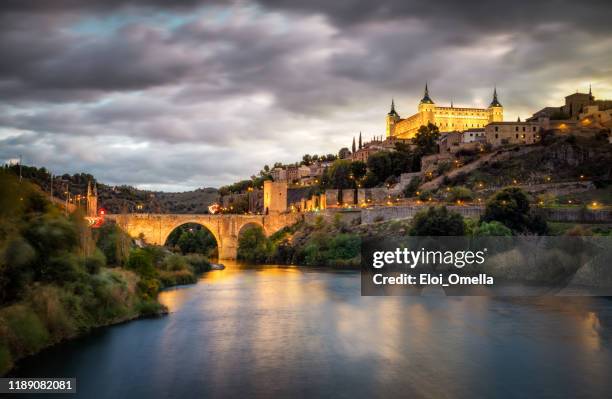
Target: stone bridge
<point>155,228</point>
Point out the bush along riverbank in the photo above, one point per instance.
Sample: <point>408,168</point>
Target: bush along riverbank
<point>60,279</point>
<point>322,243</point>
<point>337,243</point>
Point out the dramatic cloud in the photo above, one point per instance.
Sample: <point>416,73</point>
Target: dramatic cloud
<point>184,94</point>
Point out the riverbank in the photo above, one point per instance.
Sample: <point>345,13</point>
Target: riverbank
<point>59,278</point>
<point>49,313</point>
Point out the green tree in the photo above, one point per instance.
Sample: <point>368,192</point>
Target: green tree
<point>343,153</point>
<point>340,173</point>
<point>370,180</point>
<point>306,159</point>
<point>380,165</point>
<point>426,139</point>
<point>253,245</point>
<point>358,169</point>
<point>437,221</point>
<point>192,238</point>
<point>510,206</point>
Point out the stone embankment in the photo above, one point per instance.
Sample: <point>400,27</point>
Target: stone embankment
<point>385,213</point>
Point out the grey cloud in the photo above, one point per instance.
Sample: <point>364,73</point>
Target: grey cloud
<point>206,101</point>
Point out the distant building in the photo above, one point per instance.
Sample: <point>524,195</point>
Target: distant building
<point>279,174</point>
<point>377,145</point>
<point>503,133</point>
<point>575,105</point>
<point>445,118</point>
<point>593,116</point>
<point>473,135</point>
<point>449,140</point>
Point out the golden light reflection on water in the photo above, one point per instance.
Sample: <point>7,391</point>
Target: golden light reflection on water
<point>282,320</point>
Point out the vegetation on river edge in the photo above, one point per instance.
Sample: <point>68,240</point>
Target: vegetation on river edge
<point>59,278</point>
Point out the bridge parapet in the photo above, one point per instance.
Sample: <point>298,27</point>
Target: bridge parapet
<point>155,228</point>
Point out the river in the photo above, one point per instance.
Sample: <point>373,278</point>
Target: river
<point>298,332</point>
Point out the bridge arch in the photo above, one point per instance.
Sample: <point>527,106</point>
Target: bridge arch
<point>169,229</point>
<point>155,228</point>
<point>209,241</point>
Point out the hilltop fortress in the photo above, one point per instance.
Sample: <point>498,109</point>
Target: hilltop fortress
<point>445,118</point>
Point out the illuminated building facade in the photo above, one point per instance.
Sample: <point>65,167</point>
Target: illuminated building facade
<point>445,118</point>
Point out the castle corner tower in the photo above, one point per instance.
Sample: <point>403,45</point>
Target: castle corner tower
<point>390,121</point>
<point>496,110</point>
<point>426,108</point>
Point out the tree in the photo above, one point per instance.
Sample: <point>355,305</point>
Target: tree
<point>340,173</point>
<point>354,148</point>
<point>437,222</point>
<point>370,180</point>
<point>426,139</point>
<point>306,160</point>
<point>510,206</point>
<point>330,157</point>
<point>360,143</point>
<point>344,153</point>
<point>253,245</point>
<point>380,165</point>
<point>358,169</point>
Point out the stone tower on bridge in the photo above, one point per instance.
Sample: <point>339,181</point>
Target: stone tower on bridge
<point>92,200</point>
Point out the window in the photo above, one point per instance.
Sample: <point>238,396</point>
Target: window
<point>523,128</point>
<point>516,128</point>
<point>496,135</point>
<point>534,129</point>
<point>496,129</point>
<point>517,135</point>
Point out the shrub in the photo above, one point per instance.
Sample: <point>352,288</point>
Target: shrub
<point>174,262</point>
<point>437,222</point>
<point>460,193</point>
<point>48,303</point>
<point>6,362</point>
<point>343,246</point>
<point>493,228</point>
<point>26,332</point>
<point>444,167</point>
<point>114,243</point>
<point>198,263</point>
<point>142,263</point>
<point>95,261</point>
<point>412,187</point>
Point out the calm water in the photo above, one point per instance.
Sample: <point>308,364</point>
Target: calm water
<point>289,332</point>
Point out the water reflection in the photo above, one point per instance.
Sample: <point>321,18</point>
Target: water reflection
<point>287,331</point>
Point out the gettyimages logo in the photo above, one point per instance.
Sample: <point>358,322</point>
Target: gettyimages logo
<point>500,266</point>
<point>411,258</point>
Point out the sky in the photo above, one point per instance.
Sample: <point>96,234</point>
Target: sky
<point>176,95</point>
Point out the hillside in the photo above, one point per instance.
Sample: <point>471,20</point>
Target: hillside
<point>117,199</point>
<point>558,166</point>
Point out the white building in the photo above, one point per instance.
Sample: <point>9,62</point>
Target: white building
<point>473,135</point>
